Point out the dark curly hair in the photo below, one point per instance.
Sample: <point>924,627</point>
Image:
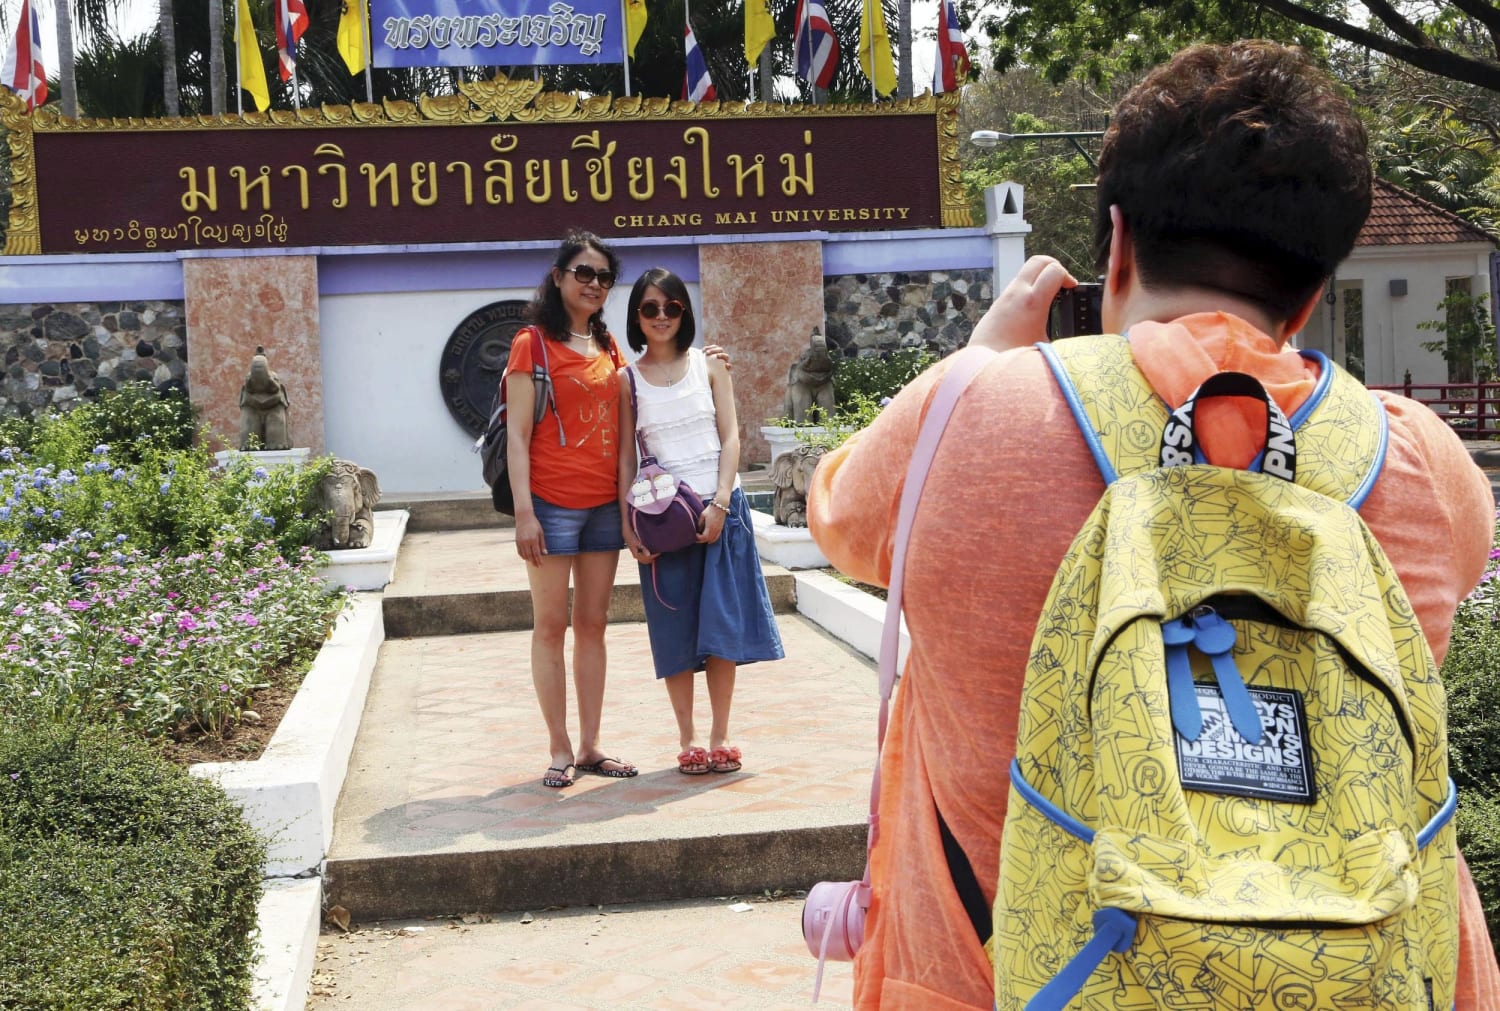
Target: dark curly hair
<point>673,287</point>
<point>1238,168</point>
<point>546,308</point>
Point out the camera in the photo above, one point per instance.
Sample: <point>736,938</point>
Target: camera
<point>833,919</point>
<point>1077,310</point>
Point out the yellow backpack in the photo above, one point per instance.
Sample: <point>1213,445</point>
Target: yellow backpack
<point>1231,784</point>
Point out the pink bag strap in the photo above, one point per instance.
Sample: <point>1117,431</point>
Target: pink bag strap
<point>966,365</point>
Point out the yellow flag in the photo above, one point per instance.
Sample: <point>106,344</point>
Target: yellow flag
<point>875,48</point>
<point>351,36</point>
<point>252,70</point>
<point>760,28</point>
<point>635,23</point>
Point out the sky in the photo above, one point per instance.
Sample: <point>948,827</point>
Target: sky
<point>138,16</point>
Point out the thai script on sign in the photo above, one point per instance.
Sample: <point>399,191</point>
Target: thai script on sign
<point>449,33</point>
<point>560,26</point>
<point>192,231</point>
<point>594,172</point>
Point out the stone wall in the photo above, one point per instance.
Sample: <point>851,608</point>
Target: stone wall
<point>870,313</point>
<point>56,353</point>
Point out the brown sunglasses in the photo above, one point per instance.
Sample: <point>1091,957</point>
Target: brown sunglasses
<point>671,310</point>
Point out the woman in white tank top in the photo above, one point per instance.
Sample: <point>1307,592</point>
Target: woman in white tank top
<point>706,607</point>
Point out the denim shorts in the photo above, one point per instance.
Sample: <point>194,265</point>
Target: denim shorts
<point>575,531</point>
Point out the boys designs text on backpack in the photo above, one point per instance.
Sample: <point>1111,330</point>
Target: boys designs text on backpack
<point>1230,787</point>
<point>491,446</point>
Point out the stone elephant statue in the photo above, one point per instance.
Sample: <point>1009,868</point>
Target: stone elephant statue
<point>791,473</point>
<point>350,492</point>
<point>263,404</point>
<point>809,381</point>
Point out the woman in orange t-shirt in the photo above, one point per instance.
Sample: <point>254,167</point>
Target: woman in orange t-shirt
<point>563,471</point>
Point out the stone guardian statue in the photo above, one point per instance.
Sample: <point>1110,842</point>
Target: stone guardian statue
<point>263,404</point>
<point>809,382</point>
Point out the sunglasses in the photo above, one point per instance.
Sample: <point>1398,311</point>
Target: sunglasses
<point>671,310</point>
<point>587,275</point>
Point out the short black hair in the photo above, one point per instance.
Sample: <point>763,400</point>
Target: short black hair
<point>673,287</point>
<point>546,308</point>
<point>1237,168</point>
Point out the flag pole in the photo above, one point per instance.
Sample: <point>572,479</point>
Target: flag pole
<point>239,59</point>
<point>870,27</point>
<point>625,44</point>
<point>366,16</point>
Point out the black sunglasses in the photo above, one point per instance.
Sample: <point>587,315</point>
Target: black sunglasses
<point>586,275</point>
<point>671,310</point>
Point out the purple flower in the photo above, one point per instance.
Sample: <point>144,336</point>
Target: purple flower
<point>187,622</point>
<point>126,661</point>
<point>77,605</point>
<point>223,688</point>
<point>131,640</point>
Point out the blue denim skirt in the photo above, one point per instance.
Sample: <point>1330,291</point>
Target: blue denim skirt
<point>722,607</point>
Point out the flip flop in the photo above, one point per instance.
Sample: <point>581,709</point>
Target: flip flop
<point>693,762</point>
<point>563,777</point>
<point>625,770</point>
<point>724,760</point>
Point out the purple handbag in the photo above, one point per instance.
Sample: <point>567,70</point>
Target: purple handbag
<point>663,510</point>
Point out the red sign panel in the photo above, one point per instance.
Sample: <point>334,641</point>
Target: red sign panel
<point>112,190</point>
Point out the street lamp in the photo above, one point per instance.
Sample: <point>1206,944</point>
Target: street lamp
<point>992,138</point>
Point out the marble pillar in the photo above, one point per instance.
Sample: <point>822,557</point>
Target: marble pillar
<point>234,304</point>
<point>761,301</point>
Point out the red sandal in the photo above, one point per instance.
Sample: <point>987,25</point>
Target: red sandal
<point>724,760</point>
<point>693,762</point>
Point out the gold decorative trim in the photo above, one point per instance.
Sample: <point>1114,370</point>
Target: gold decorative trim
<point>497,100</point>
<point>24,233</point>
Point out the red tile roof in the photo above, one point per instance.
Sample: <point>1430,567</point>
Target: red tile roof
<point>1400,218</point>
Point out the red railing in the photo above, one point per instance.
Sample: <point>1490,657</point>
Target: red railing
<point>1471,409</point>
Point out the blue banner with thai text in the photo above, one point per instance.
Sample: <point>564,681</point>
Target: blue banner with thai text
<point>482,33</point>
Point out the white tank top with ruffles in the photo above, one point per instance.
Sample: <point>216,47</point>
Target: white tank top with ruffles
<point>680,425</point>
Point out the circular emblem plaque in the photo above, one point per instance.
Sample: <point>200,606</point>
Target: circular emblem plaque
<point>474,360</point>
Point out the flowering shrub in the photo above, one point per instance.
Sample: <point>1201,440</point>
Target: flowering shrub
<point>167,500</point>
<point>104,633</point>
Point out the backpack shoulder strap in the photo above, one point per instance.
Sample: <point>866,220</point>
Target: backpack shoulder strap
<point>1342,429</point>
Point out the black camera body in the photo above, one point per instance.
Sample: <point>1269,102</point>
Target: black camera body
<point>1077,310</point>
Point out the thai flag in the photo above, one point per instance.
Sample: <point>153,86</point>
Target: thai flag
<point>817,46</point>
<point>697,86</point>
<point>291,22</point>
<point>952,64</point>
<point>23,60</point>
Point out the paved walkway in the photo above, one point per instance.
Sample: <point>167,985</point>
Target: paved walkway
<point>669,956</point>
<point>444,797</point>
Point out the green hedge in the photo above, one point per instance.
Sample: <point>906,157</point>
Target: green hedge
<point>1471,675</point>
<point>125,883</point>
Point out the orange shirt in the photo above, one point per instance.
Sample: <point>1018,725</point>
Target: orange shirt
<point>584,473</point>
<point>1009,487</point>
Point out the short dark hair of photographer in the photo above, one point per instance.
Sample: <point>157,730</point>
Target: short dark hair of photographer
<point>674,288</point>
<point>546,308</point>
<point>1238,168</point>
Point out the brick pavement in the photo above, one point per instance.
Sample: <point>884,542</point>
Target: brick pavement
<point>669,956</point>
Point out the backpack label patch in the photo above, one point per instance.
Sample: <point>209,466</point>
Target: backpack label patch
<point>1221,761</point>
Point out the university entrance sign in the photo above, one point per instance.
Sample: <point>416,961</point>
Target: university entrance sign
<point>501,160</point>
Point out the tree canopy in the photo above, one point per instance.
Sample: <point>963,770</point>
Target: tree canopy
<point>1459,40</point>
